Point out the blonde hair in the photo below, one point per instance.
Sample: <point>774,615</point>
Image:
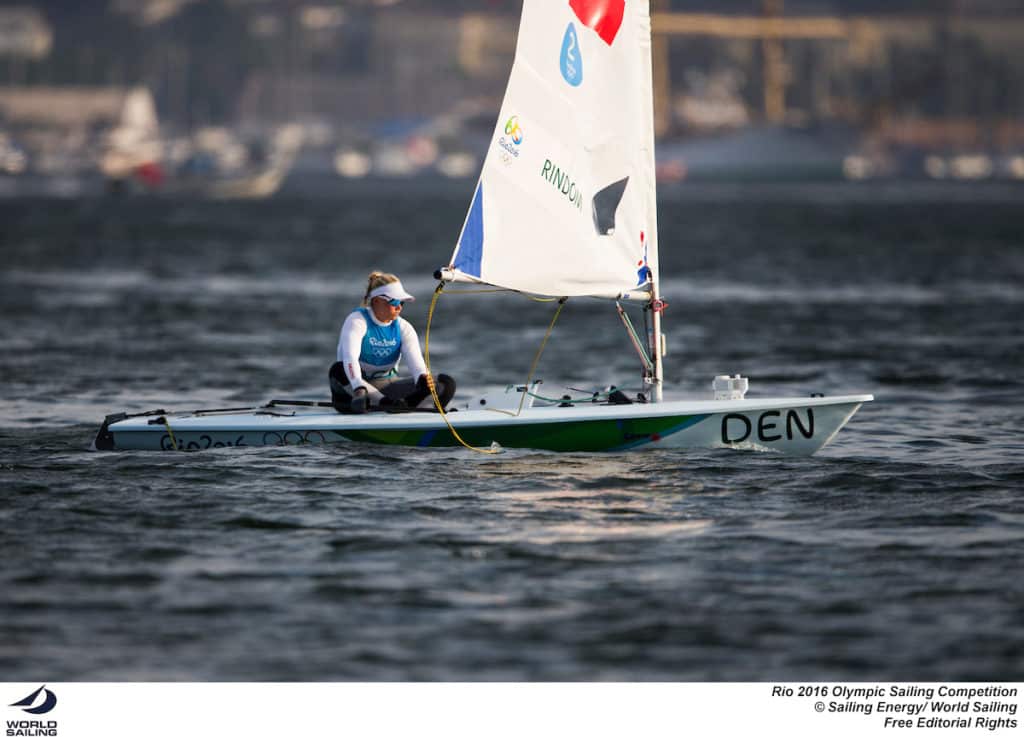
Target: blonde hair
<point>377,279</point>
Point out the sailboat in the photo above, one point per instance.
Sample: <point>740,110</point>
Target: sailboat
<point>565,208</point>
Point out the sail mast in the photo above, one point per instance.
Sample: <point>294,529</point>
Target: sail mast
<point>657,305</point>
<point>656,353</point>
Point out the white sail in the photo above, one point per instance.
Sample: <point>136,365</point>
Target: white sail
<point>565,205</point>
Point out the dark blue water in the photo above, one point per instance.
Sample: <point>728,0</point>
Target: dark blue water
<point>894,554</point>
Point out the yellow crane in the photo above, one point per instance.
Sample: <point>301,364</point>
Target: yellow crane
<point>771,28</point>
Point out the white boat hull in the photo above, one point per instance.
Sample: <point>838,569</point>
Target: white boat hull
<point>797,426</point>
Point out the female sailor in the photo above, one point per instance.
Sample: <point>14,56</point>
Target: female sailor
<point>374,339</point>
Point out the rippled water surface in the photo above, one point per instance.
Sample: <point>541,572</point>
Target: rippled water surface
<point>895,553</point>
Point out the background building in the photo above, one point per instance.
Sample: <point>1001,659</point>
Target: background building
<point>891,81</point>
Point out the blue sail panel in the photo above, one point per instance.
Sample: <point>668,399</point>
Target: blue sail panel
<point>471,244</point>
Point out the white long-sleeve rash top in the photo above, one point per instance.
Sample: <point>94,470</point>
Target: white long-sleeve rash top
<point>350,343</point>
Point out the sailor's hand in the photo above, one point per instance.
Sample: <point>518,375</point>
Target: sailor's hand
<point>360,401</point>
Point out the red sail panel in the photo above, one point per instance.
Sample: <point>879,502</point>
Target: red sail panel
<point>604,16</point>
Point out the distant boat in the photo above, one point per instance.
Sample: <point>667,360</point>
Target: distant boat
<point>766,153</point>
<point>250,186</point>
<point>259,177</point>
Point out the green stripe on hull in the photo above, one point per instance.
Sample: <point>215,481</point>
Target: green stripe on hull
<point>580,435</point>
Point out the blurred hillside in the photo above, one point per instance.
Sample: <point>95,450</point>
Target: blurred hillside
<point>887,81</point>
<point>219,61</point>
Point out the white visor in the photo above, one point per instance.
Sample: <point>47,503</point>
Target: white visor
<point>394,290</point>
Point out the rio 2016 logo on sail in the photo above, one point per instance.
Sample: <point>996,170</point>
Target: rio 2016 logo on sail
<point>512,128</point>
<point>512,139</point>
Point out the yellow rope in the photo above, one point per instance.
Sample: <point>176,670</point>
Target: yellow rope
<point>174,442</point>
<point>536,360</point>
<point>433,387</point>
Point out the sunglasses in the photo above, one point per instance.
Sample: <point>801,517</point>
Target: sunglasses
<point>393,302</point>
